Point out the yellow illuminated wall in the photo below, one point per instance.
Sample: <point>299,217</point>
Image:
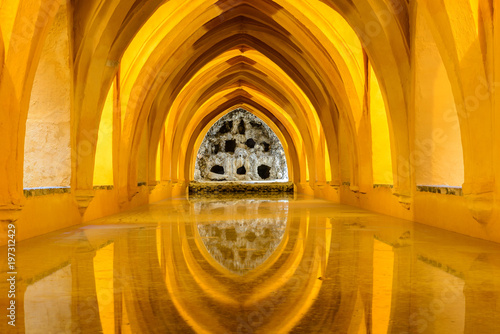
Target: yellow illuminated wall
<point>345,158</point>
<point>103,171</point>
<point>381,143</point>
<point>438,154</point>
<point>47,149</point>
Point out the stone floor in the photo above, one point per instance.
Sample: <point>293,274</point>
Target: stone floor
<point>243,265</point>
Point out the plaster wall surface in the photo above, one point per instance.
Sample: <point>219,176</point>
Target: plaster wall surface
<point>437,157</point>
<point>47,152</point>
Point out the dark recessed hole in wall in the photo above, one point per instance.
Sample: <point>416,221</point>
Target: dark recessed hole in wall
<point>241,128</point>
<point>266,146</point>
<point>256,255</point>
<point>250,143</point>
<point>216,148</point>
<point>255,124</point>
<point>251,236</point>
<point>264,171</point>
<point>230,145</point>
<point>231,234</point>
<point>267,233</point>
<point>241,171</point>
<point>217,169</point>
<point>242,254</point>
<point>227,127</point>
<point>226,253</point>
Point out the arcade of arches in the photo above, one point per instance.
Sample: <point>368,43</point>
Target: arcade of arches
<point>389,106</point>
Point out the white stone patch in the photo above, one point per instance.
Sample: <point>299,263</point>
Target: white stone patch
<point>241,147</point>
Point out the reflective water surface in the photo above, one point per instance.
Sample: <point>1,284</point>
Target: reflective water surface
<point>270,265</point>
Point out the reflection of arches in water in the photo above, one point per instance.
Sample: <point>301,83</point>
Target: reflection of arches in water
<point>327,275</point>
<point>244,243</point>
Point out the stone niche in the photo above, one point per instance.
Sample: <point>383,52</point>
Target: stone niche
<point>241,147</point>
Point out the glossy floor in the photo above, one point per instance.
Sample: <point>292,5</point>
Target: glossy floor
<point>271,265</point>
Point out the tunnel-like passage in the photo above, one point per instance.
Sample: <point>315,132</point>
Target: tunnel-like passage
<point>391,106</point>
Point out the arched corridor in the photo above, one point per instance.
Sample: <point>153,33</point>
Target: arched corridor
<point>386,106</point>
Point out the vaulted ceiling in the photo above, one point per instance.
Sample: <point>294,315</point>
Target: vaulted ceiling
<point>305,67</point>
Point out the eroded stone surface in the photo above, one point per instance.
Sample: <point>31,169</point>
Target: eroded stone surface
<point>241,147</point>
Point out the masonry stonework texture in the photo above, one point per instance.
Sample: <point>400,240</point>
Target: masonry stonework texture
<point>241,147</point>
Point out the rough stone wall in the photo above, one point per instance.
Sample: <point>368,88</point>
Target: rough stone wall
<point>47,151</point>
<point>241,147</point>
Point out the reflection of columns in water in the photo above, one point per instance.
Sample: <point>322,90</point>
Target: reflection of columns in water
<point>343,303</point>
<point>320,268</point>
<point>401,315</point>
<point>186,271</point>
<point>146,298</point>
<point>316,319</point>
<point>482,299</point>
<point>118,277</point>
<point>85,308</point>
<point>365,274</point>
<point>348,276</point>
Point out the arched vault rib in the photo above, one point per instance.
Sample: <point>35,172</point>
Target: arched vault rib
<point>232,97</point>
<point>190,116</point>
<point>211,50</point>
<point>293,66</point>
<point>21,44</point>
<point>101,27</point>
<point>238,78</point>
<point>103,30</point>
<point>383,31</point>
<point>244,90</point>
<point>277,121</point>
<point>237,70</point>
<point>467,68</point>
<point>397,142</point>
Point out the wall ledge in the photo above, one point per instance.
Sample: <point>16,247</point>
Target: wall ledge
<point>443,190</point>
<point>105,187</point>
<point>43,191</point>
<point>390,186</point>
<point>240,187</point>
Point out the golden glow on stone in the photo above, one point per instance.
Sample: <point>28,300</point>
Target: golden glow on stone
<point>360,93</point>
<point>381,145</point>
